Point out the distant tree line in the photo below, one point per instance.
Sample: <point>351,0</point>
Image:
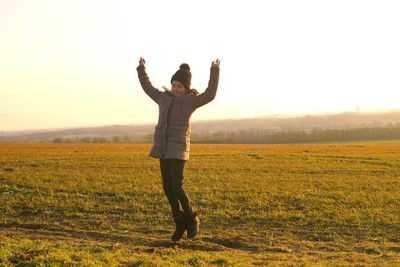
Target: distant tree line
<point>296,136</point>
<point>145,138</point>
<point>258,136</point>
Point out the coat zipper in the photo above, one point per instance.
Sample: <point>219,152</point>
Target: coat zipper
<point>166,128</point>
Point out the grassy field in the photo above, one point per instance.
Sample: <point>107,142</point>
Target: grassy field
<point>372,141</point>
<point>103,205</point>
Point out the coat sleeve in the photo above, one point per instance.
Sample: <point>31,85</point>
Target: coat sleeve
<point>209,94</point>
<point>148,88</point>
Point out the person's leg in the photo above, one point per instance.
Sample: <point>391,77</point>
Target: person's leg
<point>192,222</point>
<point>168,187</point>
<point>177,212</point>
<point>177,169</point>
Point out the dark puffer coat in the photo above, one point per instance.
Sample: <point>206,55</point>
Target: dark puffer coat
<point>172,132</point>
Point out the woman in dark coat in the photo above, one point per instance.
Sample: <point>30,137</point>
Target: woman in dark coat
<point>172,138</point>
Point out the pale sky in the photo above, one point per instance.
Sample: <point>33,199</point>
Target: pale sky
<point>73,63</point>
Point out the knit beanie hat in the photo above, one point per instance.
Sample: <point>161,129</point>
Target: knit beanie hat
<point>183,75</point>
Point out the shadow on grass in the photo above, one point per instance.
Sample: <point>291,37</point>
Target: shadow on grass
<point>150,240</point>
<point>56,232</point>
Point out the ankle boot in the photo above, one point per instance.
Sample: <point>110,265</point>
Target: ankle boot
<point>180,229</point>
<point>192,224</point>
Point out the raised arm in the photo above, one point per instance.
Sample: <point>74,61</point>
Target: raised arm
<point>148,88</point>
<point>209,94</point>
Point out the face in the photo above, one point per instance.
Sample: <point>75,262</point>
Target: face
<point>178,88</point>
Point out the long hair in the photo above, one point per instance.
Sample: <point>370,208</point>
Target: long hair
<point>192,91</point>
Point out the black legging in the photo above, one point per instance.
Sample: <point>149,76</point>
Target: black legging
<point>172,178</point>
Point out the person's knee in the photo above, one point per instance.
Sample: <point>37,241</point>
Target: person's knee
<point>178,190</point>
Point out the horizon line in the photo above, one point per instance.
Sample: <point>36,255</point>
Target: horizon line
<point>203,120</point>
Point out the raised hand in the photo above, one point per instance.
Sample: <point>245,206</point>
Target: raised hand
<point>142,61</point>
<point>215,63</point>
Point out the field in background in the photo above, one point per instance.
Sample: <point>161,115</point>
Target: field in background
<point>355,142</point>
<point>103,204</point>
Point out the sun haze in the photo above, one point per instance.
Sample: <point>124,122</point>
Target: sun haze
<point>73,63</point>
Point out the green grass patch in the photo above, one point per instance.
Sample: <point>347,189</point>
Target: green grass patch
<point>103,205</point>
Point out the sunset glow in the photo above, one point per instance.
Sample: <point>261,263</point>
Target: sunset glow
<point>73,63</point>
